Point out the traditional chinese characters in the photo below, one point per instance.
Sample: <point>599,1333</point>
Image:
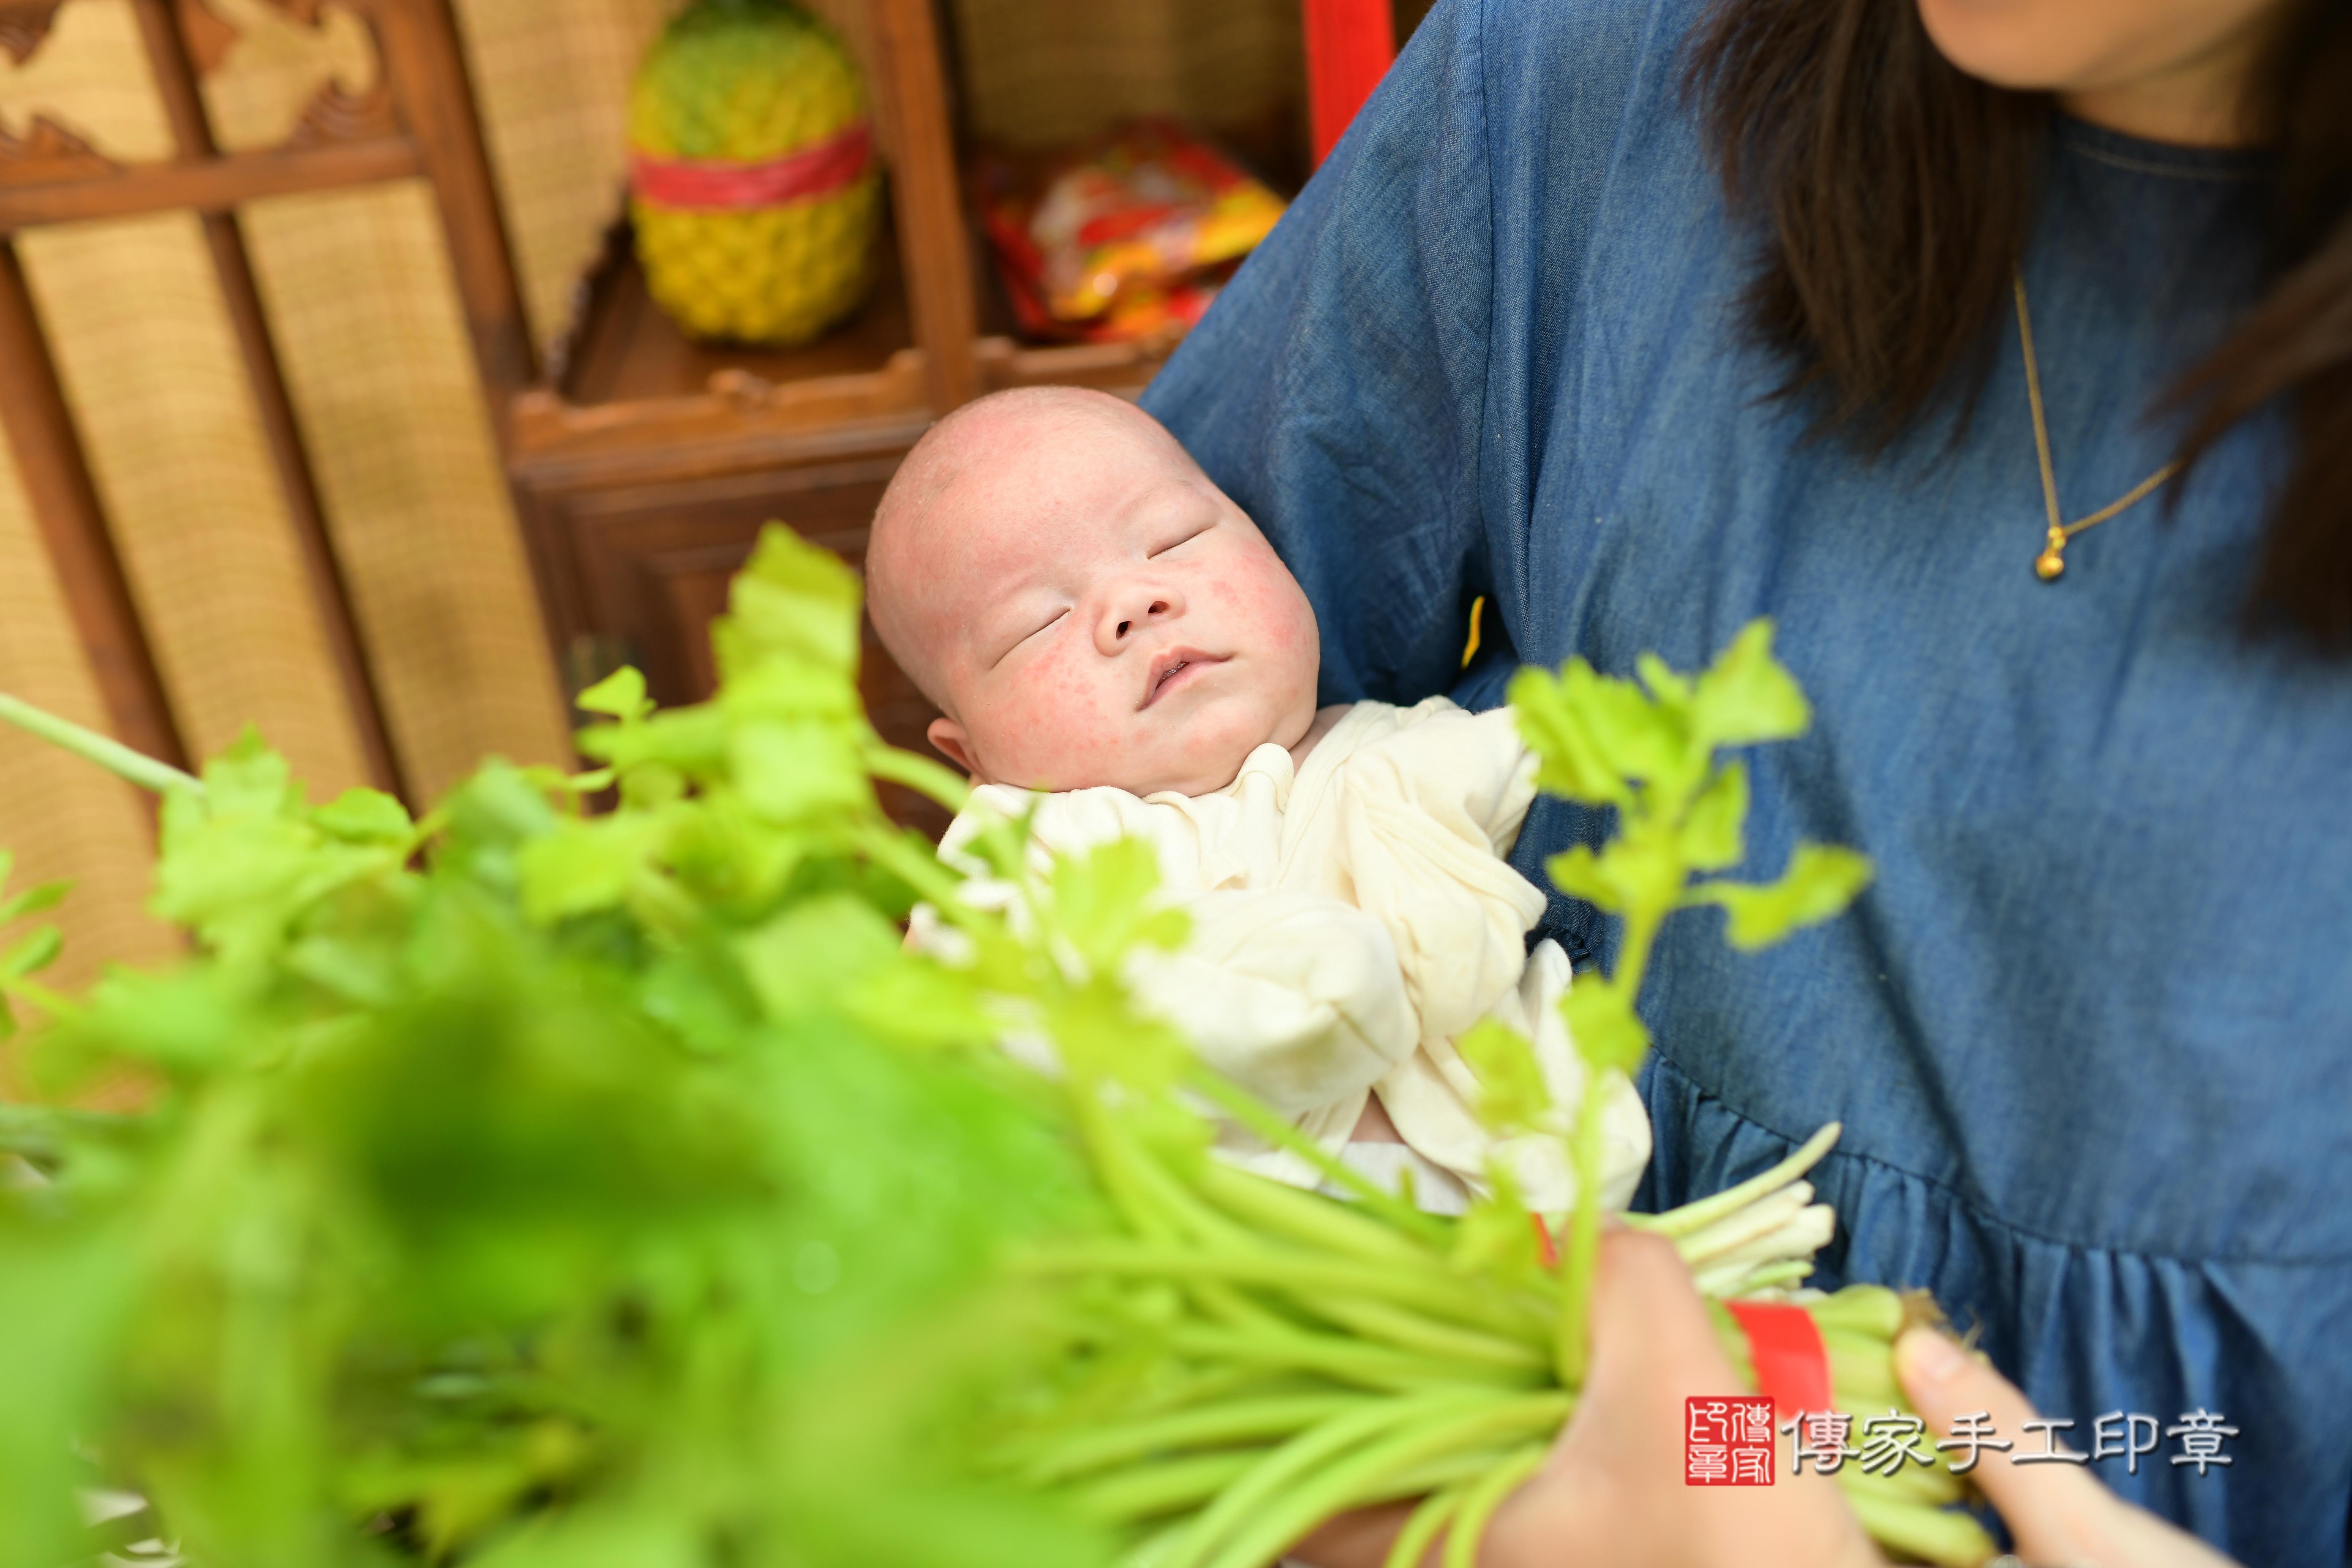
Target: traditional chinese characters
<point>1824,1440</point>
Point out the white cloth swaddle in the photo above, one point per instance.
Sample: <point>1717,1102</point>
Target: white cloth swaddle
<point>1351,918</point>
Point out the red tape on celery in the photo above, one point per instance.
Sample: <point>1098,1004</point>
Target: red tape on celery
<point>1791,1363</point>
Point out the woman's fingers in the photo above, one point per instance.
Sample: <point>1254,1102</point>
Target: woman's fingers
<point>2050,1508</point>
<point>1357,1538</point>
<point>1650,1332</point>
<point>1613,1489</point>
<point>1615,1475</point>
<point>2056,1512</point>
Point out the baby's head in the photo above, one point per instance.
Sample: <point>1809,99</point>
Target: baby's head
<point>1058,576</point>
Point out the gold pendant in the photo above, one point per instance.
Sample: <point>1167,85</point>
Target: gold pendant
<point>2051,562</point>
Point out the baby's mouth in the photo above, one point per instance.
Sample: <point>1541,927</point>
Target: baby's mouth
<point>1171,666</point>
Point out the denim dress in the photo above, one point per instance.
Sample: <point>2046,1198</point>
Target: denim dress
<point>2090,1031</point>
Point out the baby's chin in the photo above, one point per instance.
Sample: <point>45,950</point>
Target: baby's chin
<point>1202,765</point>
<point>1210,750</point>
<point>1198,753</point>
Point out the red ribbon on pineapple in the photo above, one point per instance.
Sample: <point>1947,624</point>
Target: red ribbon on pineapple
<point>804,174</point>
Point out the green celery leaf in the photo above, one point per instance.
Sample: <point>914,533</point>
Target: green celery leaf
<point>1602,1024</point>
<point>1512,1094</point>
<point>731,859</point>
<point>70,1289</point>
<point>1569,763</point>
<point>644,1535</point>
<point>1747,696</point>
<point>621,694</point>
<point>1637,872</point>
<point>586,865</point>
<point>916,1001</point>
<point>32,900</point>
<point>691,740</point>
<point>356,970</point>
<point>650,785</point>
<point>1640,737</point>
<point>789,770</point>
<point>1001,845</point>
<point>485,822</point>
<point>1098,1035</point>
<point>701,992</point>
<point>1576,871</point>
<point>780,690</point>
<point>1498,1239</point>
<point>792,603</point>
<point>36,950</point>
<point>1714,823</point>
<point>1666,685</point>
<point>250,780</point>
<point>1821,880</point>
<point>1103,905</point>
<point>801,961</point>
<point>190,1024</point>
<point>242,882</point>
<point>561,781</point>
<point>365,817</point>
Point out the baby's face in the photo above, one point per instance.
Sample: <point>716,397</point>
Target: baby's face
<point>1103,614</point>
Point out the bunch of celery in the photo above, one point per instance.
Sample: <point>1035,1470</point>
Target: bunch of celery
<point>1244,1360</point>
<point>530,1188</point>
<point>521,1186</point>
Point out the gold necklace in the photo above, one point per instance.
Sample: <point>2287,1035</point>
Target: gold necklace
<point>2051,562</point>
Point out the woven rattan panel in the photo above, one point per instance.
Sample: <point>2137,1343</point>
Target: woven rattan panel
<point>90,75</point>
<point>134,315</point>
<point>358,292</point>
<point>551,79</point>
<point>60,819</point>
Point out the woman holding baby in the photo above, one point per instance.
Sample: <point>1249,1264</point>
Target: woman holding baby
<point>2001,352</point>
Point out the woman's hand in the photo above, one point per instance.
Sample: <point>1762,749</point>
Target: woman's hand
<point>1612,1490</point>
<point>2056,1514</point>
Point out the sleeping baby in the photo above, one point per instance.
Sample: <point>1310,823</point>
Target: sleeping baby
<point>1101,626</point>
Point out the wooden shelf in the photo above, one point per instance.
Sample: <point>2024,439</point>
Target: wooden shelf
<point>626,350</point>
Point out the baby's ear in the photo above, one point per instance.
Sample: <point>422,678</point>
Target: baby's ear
<point>947,736</point>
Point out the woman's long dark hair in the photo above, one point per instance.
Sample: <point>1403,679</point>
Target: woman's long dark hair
<point>1896,194</point>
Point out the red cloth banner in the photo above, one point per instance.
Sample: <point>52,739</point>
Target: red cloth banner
<point>1350,46</point>
<point>816,170</point>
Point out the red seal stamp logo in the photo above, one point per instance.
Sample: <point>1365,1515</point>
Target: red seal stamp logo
<point>1728,1441</point>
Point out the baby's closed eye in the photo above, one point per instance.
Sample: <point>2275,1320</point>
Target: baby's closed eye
<point>1033,630</point>
<point>1179,541</point>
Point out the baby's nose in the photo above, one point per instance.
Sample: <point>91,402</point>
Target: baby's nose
<point>1128,611</point>
<point>1156,607</point>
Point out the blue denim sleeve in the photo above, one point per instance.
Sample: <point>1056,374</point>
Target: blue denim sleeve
<point>1336,390</point>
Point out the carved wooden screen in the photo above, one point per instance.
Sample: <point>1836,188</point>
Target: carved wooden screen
<point>416,120</point>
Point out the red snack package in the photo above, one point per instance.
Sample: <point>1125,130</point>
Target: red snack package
<point>1125,240</point>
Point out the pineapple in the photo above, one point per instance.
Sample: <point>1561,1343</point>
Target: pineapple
<point>727,97</point>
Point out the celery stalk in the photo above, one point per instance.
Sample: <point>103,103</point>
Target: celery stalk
<point>160,778</point>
